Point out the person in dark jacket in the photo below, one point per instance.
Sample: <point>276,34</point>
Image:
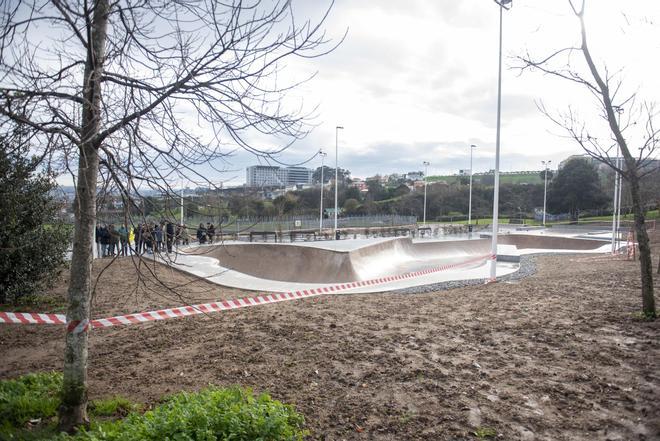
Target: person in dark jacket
<point>105,241</point>
<point>169,236</point>
<point>201,234</point>
<point>114,240</point>
<point>158,235</point>
<point>138,239</point>
<point>97,239</point>
<point>210,233</point>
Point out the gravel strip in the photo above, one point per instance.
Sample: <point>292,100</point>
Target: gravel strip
<point>527,268</point>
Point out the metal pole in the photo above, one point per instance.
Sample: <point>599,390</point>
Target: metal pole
<point>615,203</point>
<point>321,204</point>
<point>426,168</point>
<point>618,216</point>
<point>496,189</point>
<point>545,189</point>
<point>472,146</point>
<point>181,202</point>
<point>334,231</point>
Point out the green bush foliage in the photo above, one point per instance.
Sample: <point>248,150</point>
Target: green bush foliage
<point>33,241</point>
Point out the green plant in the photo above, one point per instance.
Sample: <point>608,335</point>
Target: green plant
<point>113,406</point>
<point>213,414</point>
<point>643,316</point>
<point>33,240</point>
<point>28,407</point>
<point>485,432</point>
<point>27,398</point>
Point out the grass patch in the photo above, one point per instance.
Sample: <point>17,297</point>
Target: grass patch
<point>485,433</point>
<point>30,398</point>
<point>116,406</point>
<point>28,411</point>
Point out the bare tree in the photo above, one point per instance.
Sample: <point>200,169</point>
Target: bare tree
<point>641,118</point>
<point>139,93</point>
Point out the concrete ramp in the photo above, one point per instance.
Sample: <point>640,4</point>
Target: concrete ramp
<point>322,264</point>
<point>299,263</point>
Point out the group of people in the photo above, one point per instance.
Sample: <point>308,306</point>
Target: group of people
<point>111,241</point>
<point>205,234</point>
<point>147,237</point>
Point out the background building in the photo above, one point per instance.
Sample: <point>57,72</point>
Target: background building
<point>274,176</point>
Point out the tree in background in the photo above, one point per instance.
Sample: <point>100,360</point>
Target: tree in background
<point>576,187</point>
<point>350,206</point>
<point>33,242</point>
<point>329,175</point>
<point>638,128</point>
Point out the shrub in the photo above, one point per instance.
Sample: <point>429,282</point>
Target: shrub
<point>33,240</point>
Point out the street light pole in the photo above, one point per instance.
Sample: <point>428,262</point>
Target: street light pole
<point>323,155</point>
<point>182,202</point>
<point>472,147</point>
<point>426,168</point>
<point>496,190</point>
<point>545,187</point>
<point>334,232</point>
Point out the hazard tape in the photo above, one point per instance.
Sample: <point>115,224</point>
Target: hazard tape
<point>27,318</point>
<point>75,326</point>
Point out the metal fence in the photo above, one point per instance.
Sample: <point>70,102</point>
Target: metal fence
<point>292,223</point>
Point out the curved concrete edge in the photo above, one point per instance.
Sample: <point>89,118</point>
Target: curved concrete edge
<point>209,269</point>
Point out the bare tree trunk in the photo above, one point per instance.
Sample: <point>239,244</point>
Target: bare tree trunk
<point>648,301</point>
<point>645,259</point>
<point>73,411</point>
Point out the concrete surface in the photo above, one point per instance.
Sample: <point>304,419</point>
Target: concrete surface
<point>295,266</point>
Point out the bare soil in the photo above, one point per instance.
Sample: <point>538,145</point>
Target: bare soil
<point>561,355</point>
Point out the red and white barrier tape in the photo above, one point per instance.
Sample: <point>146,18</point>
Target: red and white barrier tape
<point>223,305</point>
<point>27,318</point>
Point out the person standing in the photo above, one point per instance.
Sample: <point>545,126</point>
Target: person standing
<point>185,236</point>
<point>97,239</point>
<point>158,233</point>
<point>131,239</point>
<point>201,234</point>
<point>105,241</point>
<point>148,237</point>
<point>211,233</point>
<point>114,240</point>
<point>123,240</point>
<point>169,236</point>
<point>139,239</point>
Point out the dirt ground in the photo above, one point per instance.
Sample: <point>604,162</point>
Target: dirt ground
<point>561,355</point>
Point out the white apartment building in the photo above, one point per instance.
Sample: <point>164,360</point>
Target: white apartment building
<point>274,176</point>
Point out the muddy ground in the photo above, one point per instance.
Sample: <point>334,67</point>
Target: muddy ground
<point>561,355</point>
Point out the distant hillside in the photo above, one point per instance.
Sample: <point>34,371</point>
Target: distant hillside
<point>527,177</point>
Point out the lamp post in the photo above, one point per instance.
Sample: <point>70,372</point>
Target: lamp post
<point>426,168</point>
<point>323,155</point>
<point>545,187</point>
<point>472,147</point>
<point>334,232</point>
<point>503,4</point>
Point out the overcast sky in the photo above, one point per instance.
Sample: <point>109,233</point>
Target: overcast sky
<point>416,81</point>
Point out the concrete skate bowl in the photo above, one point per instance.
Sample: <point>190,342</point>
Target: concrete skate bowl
<point>312,264</point>
<point>306,264</point>
<point>550,243</point>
